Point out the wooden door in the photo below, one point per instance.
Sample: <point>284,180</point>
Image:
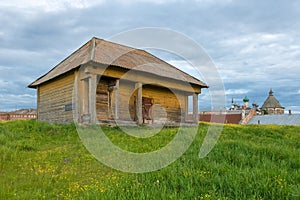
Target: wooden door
<point>102,102</point>
<point>146,109</point>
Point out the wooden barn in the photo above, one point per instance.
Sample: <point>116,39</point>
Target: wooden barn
<point>104,82</point>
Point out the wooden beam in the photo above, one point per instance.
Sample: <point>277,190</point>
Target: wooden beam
<point>139,114</point>
<point>75,98</point>
<point>195,108</point>
<point>117,88</point>
<point>146,78</point>
<point>186,108</point>
<point>93,49</point>
<point>38,102</point>
<point>84,97</point>
<point>92,97</point>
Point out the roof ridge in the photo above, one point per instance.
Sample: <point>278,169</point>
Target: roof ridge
<point>92,55</point>
<point>115,43</point>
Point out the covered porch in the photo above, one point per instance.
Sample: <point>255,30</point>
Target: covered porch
<point>110,99</point>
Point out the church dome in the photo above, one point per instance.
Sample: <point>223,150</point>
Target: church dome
<point>246,99</point>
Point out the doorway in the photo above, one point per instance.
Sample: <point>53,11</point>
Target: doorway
<point>147,110</point>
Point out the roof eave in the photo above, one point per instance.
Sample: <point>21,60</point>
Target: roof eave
<point>34,85</point>
<point>201,84</point>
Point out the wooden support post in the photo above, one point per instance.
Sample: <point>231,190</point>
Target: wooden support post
<point>92,97</point>
<point>139,114</point>
<point>75,99</point>
<point>117,99</point>
<point>84,97</point>
<point>195,108</point>
<point>38,103</point>
<point>186,108</point>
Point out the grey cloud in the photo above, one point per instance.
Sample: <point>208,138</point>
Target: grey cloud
<point>33,41</point>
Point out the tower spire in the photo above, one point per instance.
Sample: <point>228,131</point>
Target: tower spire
<point>271,92</point>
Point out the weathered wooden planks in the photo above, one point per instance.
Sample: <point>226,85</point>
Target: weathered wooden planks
<point>53,97</point>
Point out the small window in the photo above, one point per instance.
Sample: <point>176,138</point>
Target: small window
<point>68,107</point>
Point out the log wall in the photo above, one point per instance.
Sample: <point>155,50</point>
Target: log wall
<point>166,105</point>
<point>55,100</point>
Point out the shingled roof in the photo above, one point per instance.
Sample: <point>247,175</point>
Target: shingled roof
<point>271,102</point>
<point>113,54</point>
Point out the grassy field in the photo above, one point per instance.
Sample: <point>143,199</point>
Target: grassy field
<point>42,161</point>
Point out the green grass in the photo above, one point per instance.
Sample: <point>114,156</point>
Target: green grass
<point>42,161</point>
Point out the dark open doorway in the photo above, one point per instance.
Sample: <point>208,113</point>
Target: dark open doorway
<point>147,110</point>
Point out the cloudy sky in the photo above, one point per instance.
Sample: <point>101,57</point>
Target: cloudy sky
<point>255,45</point>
